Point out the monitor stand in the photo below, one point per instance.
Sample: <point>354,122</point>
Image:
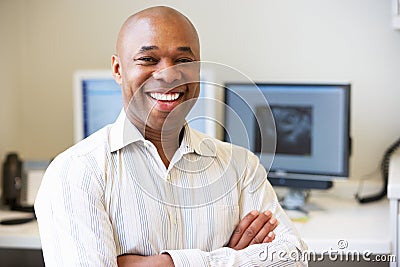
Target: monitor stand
<point>295,199</point>
<point>298,191</point>
<point>296,205</point>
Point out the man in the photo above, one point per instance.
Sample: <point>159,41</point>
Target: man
<point>150,191</point>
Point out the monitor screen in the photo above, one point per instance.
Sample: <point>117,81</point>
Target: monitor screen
<point>98,102</point>
<point>309,126</point>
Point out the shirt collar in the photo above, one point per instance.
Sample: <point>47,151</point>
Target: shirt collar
<point>123,133</point>
<point>197,142</point>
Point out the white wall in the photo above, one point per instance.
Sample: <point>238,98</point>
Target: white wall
<point>269,40</point>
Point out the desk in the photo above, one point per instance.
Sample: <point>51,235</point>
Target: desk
<point>22,236</point>
<point>363,226</point>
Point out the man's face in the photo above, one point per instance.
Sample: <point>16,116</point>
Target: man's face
<point>151,67</point>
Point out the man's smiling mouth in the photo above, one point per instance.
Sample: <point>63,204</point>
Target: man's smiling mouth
<point>165,97</point>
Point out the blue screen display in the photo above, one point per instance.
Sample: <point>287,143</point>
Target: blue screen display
<point>102,103</point>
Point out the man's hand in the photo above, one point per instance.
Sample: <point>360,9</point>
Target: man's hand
<point>254,228</point>
<point>129,260</point>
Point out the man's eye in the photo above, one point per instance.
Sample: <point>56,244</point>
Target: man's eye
<point>184,60</point>
<point>145,60</point>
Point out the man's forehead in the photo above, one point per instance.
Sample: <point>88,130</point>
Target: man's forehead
<point>157,21</point>
<point>147,34</point>
<point>150,24</point>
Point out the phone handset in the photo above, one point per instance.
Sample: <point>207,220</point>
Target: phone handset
<point>12,185</point>
<point>12,180</point>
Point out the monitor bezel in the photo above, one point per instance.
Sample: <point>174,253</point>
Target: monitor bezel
<point>304,179</point>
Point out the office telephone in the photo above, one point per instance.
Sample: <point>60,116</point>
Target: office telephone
<point>12,186</point>
<point>385,174</point>
<point>12,180</point>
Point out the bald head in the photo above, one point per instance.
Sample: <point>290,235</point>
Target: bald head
<point>158,17</point>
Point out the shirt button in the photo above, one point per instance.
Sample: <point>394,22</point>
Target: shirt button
<point>168,178</point>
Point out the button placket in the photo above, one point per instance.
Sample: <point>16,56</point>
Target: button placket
<point>147,144</point>
<point>152,151</point>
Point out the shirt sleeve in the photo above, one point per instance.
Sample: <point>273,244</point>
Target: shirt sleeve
<point>257,193</point>
<point>73,224</point>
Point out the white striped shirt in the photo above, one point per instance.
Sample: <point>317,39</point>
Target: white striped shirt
<point>111,194</point>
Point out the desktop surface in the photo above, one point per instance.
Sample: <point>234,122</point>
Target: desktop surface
<point>341,223</point>
<point>19,236</point>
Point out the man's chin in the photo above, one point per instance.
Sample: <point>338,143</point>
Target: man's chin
<point>167,124</point>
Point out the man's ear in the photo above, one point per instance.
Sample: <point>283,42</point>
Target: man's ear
<point>116,69</point>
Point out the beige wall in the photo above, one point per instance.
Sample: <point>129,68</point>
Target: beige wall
<point>10,75</point>
<point>44,41</point>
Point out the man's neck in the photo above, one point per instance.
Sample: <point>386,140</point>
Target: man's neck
<point>166,139</point>
<point>166,142</point>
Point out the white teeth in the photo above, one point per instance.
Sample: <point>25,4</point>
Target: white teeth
<point>165,97</point>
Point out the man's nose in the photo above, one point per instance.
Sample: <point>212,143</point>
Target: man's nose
<point>168,74</point>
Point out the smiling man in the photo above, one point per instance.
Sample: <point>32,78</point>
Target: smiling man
<point>150,191</point>
<point>149,44</point>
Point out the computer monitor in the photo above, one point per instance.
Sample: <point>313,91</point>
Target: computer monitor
<point>311,123</point>
<point>98,102</point>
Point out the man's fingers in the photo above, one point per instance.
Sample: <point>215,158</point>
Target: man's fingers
<point>269,238</point>
<point>241,227</point>
<point>253,230</point>
<point>266,233</point>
